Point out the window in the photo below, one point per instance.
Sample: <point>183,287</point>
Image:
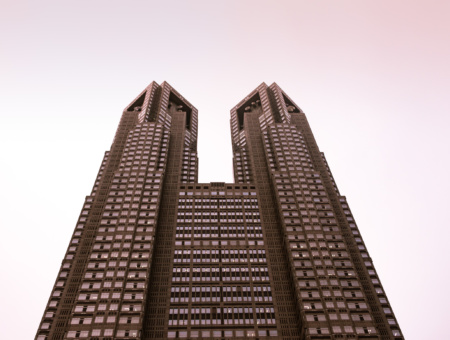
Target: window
<point>108,332</point>
<point>337,329</point>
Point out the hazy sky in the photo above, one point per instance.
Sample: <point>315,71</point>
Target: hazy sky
<point>372,76</point>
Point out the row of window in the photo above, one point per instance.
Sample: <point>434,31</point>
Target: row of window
<point>218,193</point>
<point>96,296</point>
<point>220,274</point>
<point>114,230</point>
<point>220,255</point>
<point>208,243</point>
<point>185,294</point>
<point>210,218</point>
<point>223,202</point>
<point>103,319</point>
<point>216,230</point>
<point>324,292</point>
<point>222,316</point>
<point>123,254</point>
<point>342,329</point>
<point>333,305</point>
<point>135,307</point>
<point>230,333</point>
<point>100,332</point>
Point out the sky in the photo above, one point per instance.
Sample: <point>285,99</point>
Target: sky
<point>373,78</point>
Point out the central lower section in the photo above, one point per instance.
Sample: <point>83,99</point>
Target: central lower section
<point>220,283</point>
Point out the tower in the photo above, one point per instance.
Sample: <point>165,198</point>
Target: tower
<point>275,255</point>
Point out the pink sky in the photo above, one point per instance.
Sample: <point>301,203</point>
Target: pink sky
<point>372,76</point>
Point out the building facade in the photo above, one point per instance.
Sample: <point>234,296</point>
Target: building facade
<point>275,255</point>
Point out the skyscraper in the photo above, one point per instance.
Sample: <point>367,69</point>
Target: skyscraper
<point>275,255</point>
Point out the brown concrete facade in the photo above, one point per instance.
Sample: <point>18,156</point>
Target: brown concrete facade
<point>157,255</point>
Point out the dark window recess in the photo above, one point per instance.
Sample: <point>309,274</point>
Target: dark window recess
<point>137,105</point>
<point>249,105</point>
<point>290,105</point>
<point>180,106</point>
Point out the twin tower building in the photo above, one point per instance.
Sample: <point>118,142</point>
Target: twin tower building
<point>275,255</point>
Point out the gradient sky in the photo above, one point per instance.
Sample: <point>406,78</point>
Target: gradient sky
<point>372,76</point>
